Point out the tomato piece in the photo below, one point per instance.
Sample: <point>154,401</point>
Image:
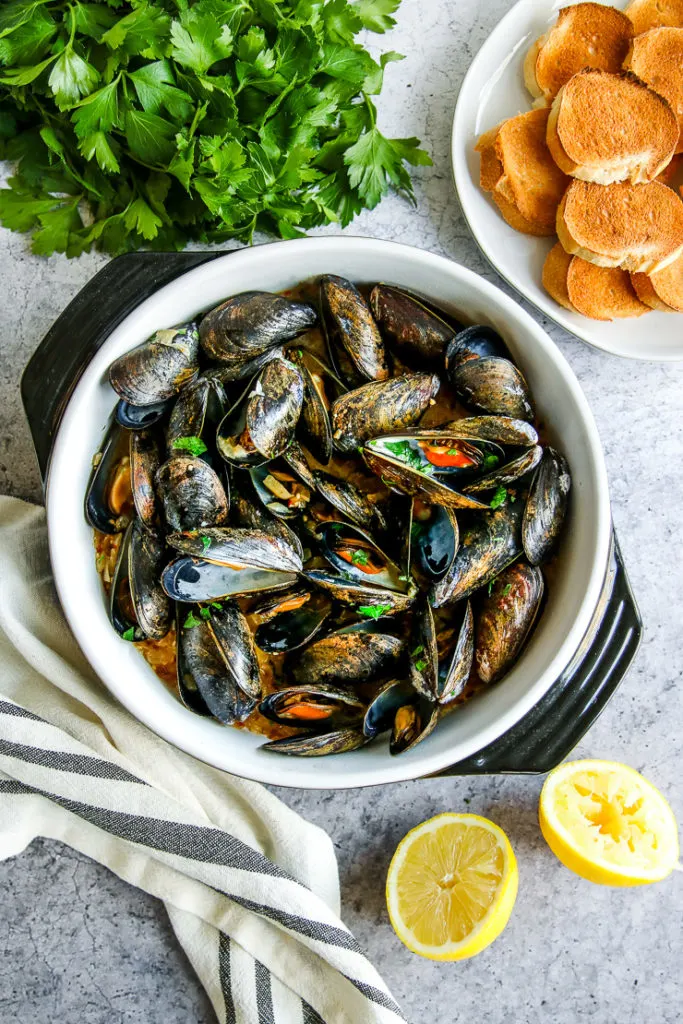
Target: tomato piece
<point>447,456</point>
<point>354,557</point>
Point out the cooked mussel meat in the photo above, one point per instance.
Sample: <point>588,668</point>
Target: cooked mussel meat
<point>505,619</point>
<point>413,722</point>
<point>418,333</point>
<point>546,506</point>
<point>355,343</point>
<point>381,407</point>
<point>282,492</point>
<point>315,707</point>
<point>353,553</point>
<point>158,368</point>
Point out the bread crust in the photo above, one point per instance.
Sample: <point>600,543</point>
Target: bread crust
<point>647,14</point>
<point>636,227</point>
<point>584,34</point>
<point>657,58</point>
<point>554,277</point>
<point>606,127</point>
<point>662,290</point>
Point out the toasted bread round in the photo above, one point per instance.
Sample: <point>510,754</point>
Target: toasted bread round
<point>663,289</point>
<point>672,170</point>
<point>602,293</point>
<point>657,58</point>
<point>647,14</point>
<point>607,127</point>
<point>636,227</point>
<point>555,270</point>
<point>517,168</point>
<point>585,35</point>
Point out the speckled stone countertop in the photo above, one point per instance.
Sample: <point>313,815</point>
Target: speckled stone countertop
<point>78,946</point>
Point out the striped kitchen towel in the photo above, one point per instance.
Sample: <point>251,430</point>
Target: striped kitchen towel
<point>250,887</point>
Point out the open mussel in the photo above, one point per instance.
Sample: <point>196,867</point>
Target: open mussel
<point>192,494</point>
<point>233,546</point>
<point>441,659</point>
<point>249,512</point>
<point>360,596</point>
<point>354,554</point>
<point>249,324</point>
<point>283,493</point>
<point>208,673</point>
<point>546,506</point>
<point>312,707</point>
<point>291,620</point>
<point>109,497</point>
<point>261,425</point>
<point>508,473</point>
<point>321,387</point>
<point>347,658</point>
<point>194,580</point>
<point>419,334</point>
<point>141,417</point>
<point>319,744</point>
<point>488,543</point>
<point>348,499</point>
<point>355,343</point>
<point>158,368</point>
<point>435,537</point>
<point>381,711</point>
<point>505,619</point>
<point>138,607</point>
<point>381,407</point>
<point>413,722</point>
<point>200,406</point>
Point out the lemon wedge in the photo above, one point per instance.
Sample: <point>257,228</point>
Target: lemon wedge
<point>608,824</point>
<point>451,886</point>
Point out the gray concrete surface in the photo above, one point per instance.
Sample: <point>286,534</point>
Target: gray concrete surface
<point>77,946</point>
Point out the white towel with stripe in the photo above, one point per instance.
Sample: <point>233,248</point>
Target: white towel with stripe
<point>250,887</point>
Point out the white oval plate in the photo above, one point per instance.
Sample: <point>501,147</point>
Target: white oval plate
<point>492,90</point>
<point>561,406</point>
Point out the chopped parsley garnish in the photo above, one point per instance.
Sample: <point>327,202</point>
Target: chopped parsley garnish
<point>205,613</point>
<point>206,543</point>
<point>360,557</point>
<point>373,611</point>
<point>403,579</point>
<point>129,633</point>
<point>194,445</point>
<point>218,605</point>
<point>420,666</point>
<point>490,461</point>
<point>191,621</point>
<point>491,586</point>
<point>499,497</point>
<point>453,451</point>
<point>402,450</point>
<point>506,589</point>
<point>418,650</point>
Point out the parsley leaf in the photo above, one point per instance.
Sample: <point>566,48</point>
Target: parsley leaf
<point>499,497</point>
<point>194,445</point>
<point>206,542</point>
<point>359,558</point>
<point>129,634</point>
<point>506,589</point>
<point>403,450</point>
<point>373,611</point>
<point>191,621</point>
<point>490,461</point>
<point>71,77</point>
<point>205,613</point>
<point>420,665</point>
<point>376,14</point>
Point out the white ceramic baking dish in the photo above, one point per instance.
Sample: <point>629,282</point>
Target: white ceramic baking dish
<point>561,406</point>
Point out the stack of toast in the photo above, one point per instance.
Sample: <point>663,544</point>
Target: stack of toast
<point>596,160</point>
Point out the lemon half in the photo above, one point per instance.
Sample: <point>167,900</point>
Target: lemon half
<point>451,886</point>
<point>608,824</point>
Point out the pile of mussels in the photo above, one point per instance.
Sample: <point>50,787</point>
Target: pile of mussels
<point>387,600</point>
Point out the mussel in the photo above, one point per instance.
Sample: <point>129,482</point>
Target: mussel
<point>314,707</point>
<point>145,459</point>
<point>319,744</point>
<point>413,722</point>
<point>249,324</point>
<point>158,368</point>
<point>381,407</point>
<point>291,620</point>
<point>354,554</point>
<point>261,425</point>
<point>492,385</point>
<point>109,497</point>
<point>349,658</point>
<point>282,492</point>
<point>355,343</point>
<point>418,333</point>
<point>320,389</point>
<point>192,494</point>
<point>348,499</point>
<point>141,417</point>
<point>210,676</point>
<point>488,543</point>
<point>194,580</point>
<point>381,711</point>
<point>138,607</point>
<point>199,406</point>
<point>505,619</point>
<point>546,507</point>
<point>441,676</point>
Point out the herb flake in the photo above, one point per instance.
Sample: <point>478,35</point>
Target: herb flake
<point>499,497</point>
<point>373,611</point>
<point>193,446</point>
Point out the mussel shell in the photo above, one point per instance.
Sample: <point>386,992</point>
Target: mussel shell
<point>235,644</point>
<point>436,542</point>
<point>381,407</point>
<point>500,429</point>
<point>187,687</point>
<point>423,655</point>
<point>192,580</point>
<point>492,385</point>
<point>141,417</point>
<point>289,629</point>
<point>350,501</point>
<point>145,459</point>
<point>198,404</point>
<point>121,608</point>
<point>266,480</point>
<point>203,661</point>
<point>333,537</point>
<point>546,506</point>
<point>416,330</point>
<point>318,744</point>
<point>296,459</point>
<point>314,424</point>
<point>158,368</point>
<point>250,513</point>
<point>505,619</point>
<point>487,545</point>
<point>98,511</point>
<point>364,598</point>
<point>192,494</point>
<point>346,658</point>
<point>247,325</point>
<point>328,707</point>
<point>475,342</point>
<point>381,711</point>
<point>355,343</point>
<point>409,480</point>
<point>508,473</point>
<point>454,671</point>
<point>274,407</point>
<point>413,722</point>
<point>146,560</point>
<point>236,547</point>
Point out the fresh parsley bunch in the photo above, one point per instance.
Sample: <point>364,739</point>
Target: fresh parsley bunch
<point>155,122</point>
